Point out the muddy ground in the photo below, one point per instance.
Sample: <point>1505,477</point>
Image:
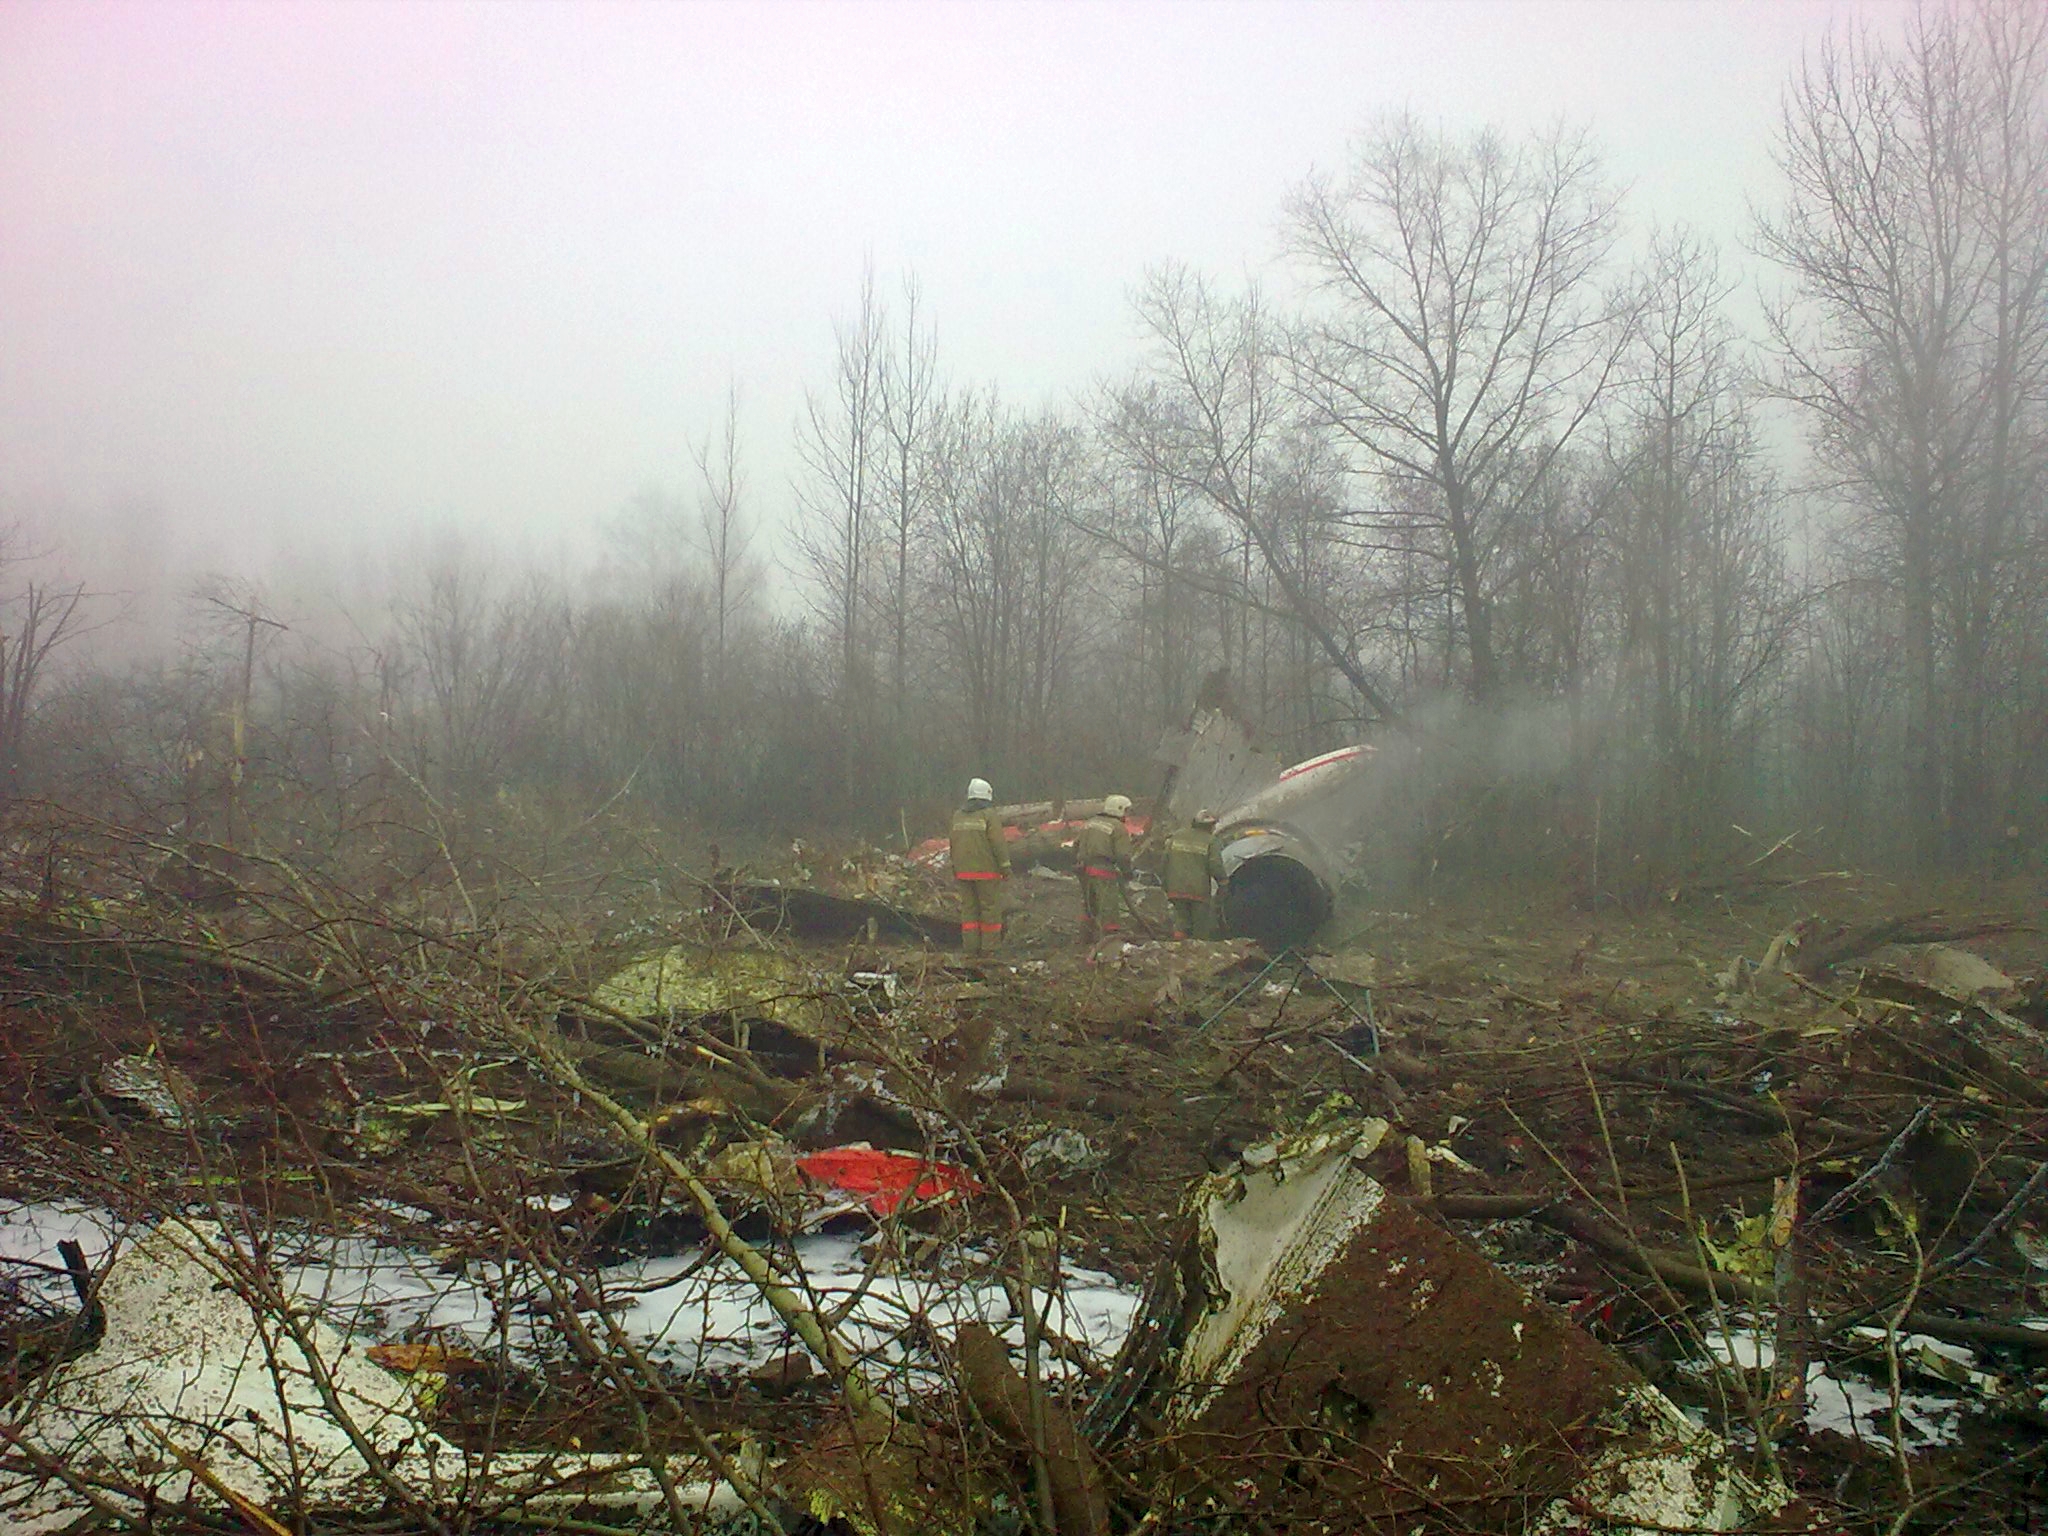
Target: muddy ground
<point>1607,1103</point>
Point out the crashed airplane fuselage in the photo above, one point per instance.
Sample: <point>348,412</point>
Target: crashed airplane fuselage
<point>1279,877</point>
<point>1276,888</point>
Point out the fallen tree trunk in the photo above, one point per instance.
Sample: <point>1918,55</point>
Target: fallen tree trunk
<point>1682,1274</point>
<point>1003,1398</point>
<point>1914,928</point>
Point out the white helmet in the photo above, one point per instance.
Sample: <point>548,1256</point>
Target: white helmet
<point>1117,805</point>
<point>978,789</point>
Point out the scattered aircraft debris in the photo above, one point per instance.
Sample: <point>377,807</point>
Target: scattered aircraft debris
<point>1336,1347</point>
<point>207,1391</point>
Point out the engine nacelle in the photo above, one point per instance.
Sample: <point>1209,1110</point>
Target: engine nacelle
<point>1277,884</point>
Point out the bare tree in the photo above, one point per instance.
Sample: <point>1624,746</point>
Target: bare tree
<point>40,620</point>
<point>644,708</point>
<point>722,526</point>
<point>1545,608</point>
<point>1046,459</point>
<point>1705,612</point>
<point>1210,418</point>
<point>729,572</point>
<point>1845,694</point>
<point>1007,572</point>
<point>1915,234</point>
<point>975,568</point>
<point>911,401</point>
<point>1174,557</point>
<point>494,666</point>
<point>1464,336</point>
<point>840,443</point>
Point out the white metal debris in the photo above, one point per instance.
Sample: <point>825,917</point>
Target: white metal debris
<point>1064,1149</point>
<point>1271,1233</point>
<point>1326,1294</point>
<point>151,1082</point>
<point>1861,1410</point>
<point>275,1404</point>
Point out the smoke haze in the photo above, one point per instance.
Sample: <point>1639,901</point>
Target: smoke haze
<point>280,284</point>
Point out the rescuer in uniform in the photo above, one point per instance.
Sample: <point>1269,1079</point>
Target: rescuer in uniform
<point>1102,858</point>
<point>1193,869</point>
<point>981,862</point>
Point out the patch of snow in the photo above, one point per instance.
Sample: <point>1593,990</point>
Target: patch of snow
<point>1744,1347</point>
<point>399,1211</point>
<point>1848,1404</point>
<point>29,1234</point>
<point>695,1310</point>
<point>1862,1411</point>
<point>719,1321</point>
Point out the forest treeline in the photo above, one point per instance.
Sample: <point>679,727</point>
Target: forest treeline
<point>1497,467</point>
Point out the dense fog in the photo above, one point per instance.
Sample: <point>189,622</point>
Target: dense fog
<point>1648,536</point>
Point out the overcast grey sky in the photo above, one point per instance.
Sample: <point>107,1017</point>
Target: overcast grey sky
<point>288,277</point>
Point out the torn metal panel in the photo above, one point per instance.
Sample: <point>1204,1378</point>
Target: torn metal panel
<point>1352,1362</point>
<point>1267,1234</point>
<point>1213,764</point>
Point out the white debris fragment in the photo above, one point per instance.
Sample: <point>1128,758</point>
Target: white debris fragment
<point>1065,1149</point>
<point>1679,1480</point>
<point>1300,1232</point>
<point>1280,1231</point>
<point>1861,1410</point>
<point>1447,1158</point>
<point>1961,973</point>
<point>275,1404</point>
<point>154,1084</point>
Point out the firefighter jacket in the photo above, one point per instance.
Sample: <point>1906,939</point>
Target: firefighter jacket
<point>1103,850</point>
<point>1194,858</point>
<point>980,851</point>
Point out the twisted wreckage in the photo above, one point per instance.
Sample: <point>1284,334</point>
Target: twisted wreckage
<point>705,1230</point>
<point>1315,1348</point>
<point>1283,832</point>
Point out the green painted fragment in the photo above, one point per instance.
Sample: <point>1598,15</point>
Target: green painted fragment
<point>695,979</point>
